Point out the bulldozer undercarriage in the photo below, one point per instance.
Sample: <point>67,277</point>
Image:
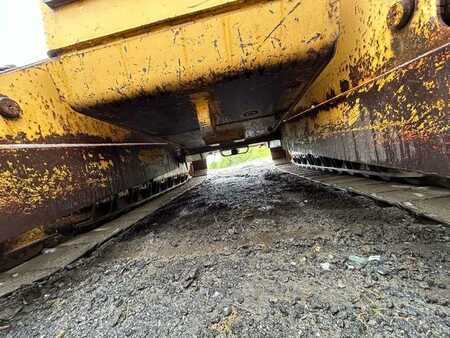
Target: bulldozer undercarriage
<point>126,109</point>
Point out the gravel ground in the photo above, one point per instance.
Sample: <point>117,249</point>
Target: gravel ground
<point>252,252</point>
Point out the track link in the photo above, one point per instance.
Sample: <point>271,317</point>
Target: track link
<point>57,258</point>
<point>425,201</point>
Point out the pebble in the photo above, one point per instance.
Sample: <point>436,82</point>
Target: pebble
<point>334,309</point>
<point>382,271</point>
<point>60,334</point>
<point>215,318</point>
<point>216,294</point>
<point>227,311</point>
<point>325,266</point>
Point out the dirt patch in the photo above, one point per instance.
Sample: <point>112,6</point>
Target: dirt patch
<point>252,252</point>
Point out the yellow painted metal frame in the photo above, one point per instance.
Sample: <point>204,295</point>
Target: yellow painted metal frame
<point>201,50</point>
<point>91,20</point>
<point>367,47</point>
<point>362,107</point>
<point>45,115</point>
<point>50,161</point>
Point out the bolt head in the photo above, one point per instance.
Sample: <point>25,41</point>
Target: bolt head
<point>400,14</point>
<point>9,108</point>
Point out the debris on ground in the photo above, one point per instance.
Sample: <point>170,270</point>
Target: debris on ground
<point>252,252</point>
<point>325,266</point>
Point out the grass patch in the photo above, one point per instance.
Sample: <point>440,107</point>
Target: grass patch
<point>254,153</point>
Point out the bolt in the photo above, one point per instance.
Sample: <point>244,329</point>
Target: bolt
<point>400,14</point>
<point>9,108</point>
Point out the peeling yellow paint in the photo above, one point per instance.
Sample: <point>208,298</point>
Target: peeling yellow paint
<point>367,46</point>
<point>353,114</point>
<point>25,239</point>
<point>103,164</point>
<point>44,113</point>
<point>35,188</point>
<point>196,53</point>
<point>151,155</point>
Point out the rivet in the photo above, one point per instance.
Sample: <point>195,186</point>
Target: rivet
<point>400,14</point>
<point>9,108</point>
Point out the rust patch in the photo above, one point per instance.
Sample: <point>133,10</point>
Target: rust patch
<point>401,120</point>
<point>9,108</point>
<point>400,13</point>
<point>39,186</point>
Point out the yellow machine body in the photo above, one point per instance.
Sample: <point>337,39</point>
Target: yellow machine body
<point>383,100</point>
<point>149,74</point>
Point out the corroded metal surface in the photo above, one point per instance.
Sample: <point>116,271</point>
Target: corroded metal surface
<point>200,167</point>
<point>65,253</point>
<point>9,108</point>
<point>46,118</point>
<point>368,47</point>
<point>400,14</point>
<point>39,186</point>
<point>400,120</point>
<point>279,156</point>
<point>54,161</point>
<point>384,97</point>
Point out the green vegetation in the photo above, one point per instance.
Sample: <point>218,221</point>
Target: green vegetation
<point>254,153</point>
